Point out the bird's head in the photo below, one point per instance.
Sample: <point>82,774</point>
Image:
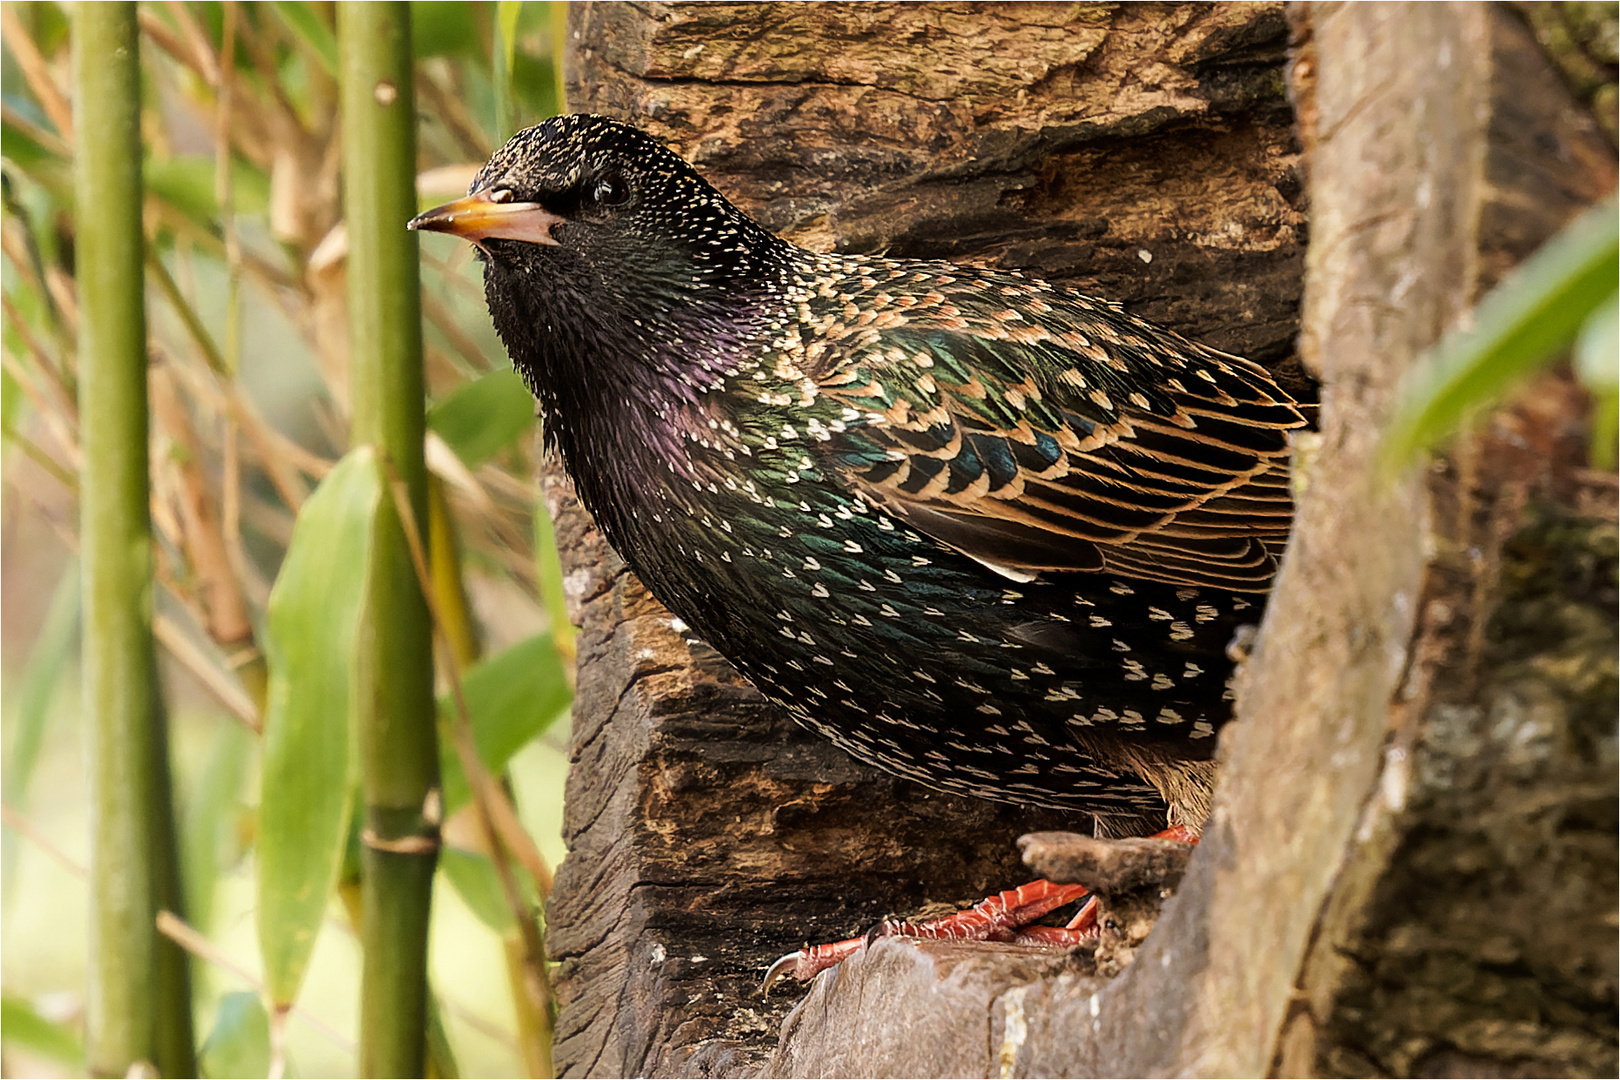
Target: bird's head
<point>590,210</point>
<point>623,284</point>
<point>602,248</point>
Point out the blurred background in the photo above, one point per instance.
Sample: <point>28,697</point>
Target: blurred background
<point>246,300</point>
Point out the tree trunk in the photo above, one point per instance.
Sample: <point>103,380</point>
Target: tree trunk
<point>1425,752</point>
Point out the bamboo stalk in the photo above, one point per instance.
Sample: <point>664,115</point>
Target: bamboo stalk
<point>399,755</point>
<point>139,1001</point>
<point>504,836</point>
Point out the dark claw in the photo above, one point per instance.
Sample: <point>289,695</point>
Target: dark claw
<point>783,965</point>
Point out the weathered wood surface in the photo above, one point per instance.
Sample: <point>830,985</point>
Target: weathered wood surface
<point>1145,152</point>
<point>947,1008</point>
<point>1454,852</point>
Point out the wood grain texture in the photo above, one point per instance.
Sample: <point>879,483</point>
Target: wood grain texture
<point>1469,929</point>
<point>936,1008</point>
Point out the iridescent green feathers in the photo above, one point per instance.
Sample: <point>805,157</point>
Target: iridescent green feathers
<point>1038,436</point>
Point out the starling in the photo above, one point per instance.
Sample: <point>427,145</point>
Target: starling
<point>977,529</point>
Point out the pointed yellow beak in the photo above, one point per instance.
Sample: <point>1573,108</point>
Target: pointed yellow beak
<point>479,216</point>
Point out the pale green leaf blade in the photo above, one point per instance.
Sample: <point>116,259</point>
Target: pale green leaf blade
<point>26,152</point>
<point>512,697</point>
<point>12,400</point>
<point>441,1055</point>
<point>507,13</point>
<point>186,182</point>
<point>1597,361</point>
<point>210,825</point>
<point>482,417</point>
<point>1597,352</point>
<point>549,577</point>
<point>476,882</point>
<point>309,761</point>
<point>239,1044</point>
<point>1524,322</point>
<point>442,28</point>
<point>503,57</point>
<point>22,1026</point>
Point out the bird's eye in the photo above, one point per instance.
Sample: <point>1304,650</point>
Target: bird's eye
<point>611,190</point>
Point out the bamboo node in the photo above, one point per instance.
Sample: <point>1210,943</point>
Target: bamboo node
<point>402,845</point>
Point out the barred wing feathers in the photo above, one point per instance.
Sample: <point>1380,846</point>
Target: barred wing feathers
<point>1067,437</point>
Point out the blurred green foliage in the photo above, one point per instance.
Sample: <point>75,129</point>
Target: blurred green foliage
<point>1563,296</point>
<point>239,1042</point>
<point>246,301</point>
<point>310,766</point>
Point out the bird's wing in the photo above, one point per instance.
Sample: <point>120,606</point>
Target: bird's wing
<point>1074,438</point>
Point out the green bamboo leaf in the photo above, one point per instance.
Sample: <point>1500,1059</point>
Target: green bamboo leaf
<point>302,19</point>
<point>503,55</point>
<point>48,25</point>
<point>12,402</point>
<point>40,680</point>
<point>475,881</point>
<point>1597,353</point>
<point>507,13</point>
<point>534,85</point>
<point>480,418</point>
<point>239,1044</point>
<point>549,576</point>
<point>1527,320</point>
<point>208,828</point>
<point>512,697</point>
<point>1597,361</point>
<point>557,16</point>
<point>24,1027</point>
<point>38,196</point>
<point>441,1056</point>
<point>310,764</point>
<point>18,147</point>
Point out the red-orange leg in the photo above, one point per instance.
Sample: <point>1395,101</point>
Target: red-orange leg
<point>1004,917</point>
<point>995,919</point>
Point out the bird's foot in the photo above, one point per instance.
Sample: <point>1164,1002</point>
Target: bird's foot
<point>1138,864</point>
<point>1007,916</point>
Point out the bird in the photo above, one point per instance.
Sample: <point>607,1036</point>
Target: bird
<point>978,529</point>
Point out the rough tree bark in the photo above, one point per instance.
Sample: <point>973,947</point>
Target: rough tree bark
<point>1424,761</point>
